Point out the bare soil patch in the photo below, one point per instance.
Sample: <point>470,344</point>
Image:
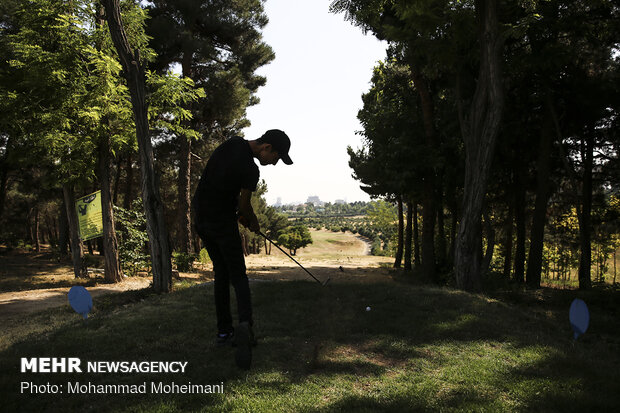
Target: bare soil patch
<point>32,282</point>
<point>14,304</point>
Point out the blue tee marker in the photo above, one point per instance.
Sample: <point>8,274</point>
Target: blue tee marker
<point>80,300</point>
<point>579,317</point>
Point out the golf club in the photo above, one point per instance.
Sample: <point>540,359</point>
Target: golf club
<point>277,246</point>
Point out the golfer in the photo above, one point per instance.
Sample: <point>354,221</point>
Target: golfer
<point>221,199</point>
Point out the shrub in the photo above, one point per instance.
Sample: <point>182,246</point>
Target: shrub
<point>132,238</point>
<point>184,261</point>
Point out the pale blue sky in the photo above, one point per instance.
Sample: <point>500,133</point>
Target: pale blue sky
<point>323,65</point>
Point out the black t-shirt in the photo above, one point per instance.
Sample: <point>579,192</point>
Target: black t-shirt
<point>230,168</point>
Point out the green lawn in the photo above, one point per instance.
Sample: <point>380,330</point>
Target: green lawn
<point>420,348</point>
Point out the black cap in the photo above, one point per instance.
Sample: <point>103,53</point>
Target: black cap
<point>280,142</point>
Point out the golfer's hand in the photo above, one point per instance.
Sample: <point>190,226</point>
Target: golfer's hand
<point>251,223</point>
<point>254,226</point>
<point>243,221</point>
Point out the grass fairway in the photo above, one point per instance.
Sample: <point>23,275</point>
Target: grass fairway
<point>420,348</point>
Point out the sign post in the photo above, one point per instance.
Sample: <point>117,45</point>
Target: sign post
<point>90,217</point>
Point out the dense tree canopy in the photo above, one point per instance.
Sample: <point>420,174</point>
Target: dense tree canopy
<point>557,147</point>
<point>68,121</point>
<point>490,129</point>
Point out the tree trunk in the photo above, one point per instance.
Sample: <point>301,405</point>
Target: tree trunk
<point>585,260</point>
<point>128,198</point>
<point>409,235</point>
<point>428,199</point>
<point>63,231</point>
<point>244,244</point>
<point>416,237</point>
<point>185,231</point>
<point>29,234</point>
<point>519,271</point>
<point>488,256</point>
<point>614,283</point>
<point>4,179</point>
<point>52,232</point>
<point>441,231</point>
<point>428,232</point>
<point>537,233</point>
<point>77,251</point>
<point>453,228</point>
<point>197,242</point>
<point>399,248</point>
<point>117,180</point>
<point>185,164</point>
<point>479,135</point>
<point>508,241</point>
<point>154,209</point>
<point>112,270</point>
<point>37,243</point>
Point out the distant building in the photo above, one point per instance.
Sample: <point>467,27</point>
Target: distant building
<point>340,201</point>
<point>314,200</point>
<point>278,202</point>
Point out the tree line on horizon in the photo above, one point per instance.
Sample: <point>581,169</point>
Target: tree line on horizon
<point>497,122</point>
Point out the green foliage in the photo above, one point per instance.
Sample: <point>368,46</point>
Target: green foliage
<point>376,221</point>
<point>184,261</point>
<point>169,97</point>
<point>132,238</point>
<point>295,237</point>
<point>394,154</point>
<point>49,85</point>
<point>221,57</point>
<point>274,222</point>
<point>376,248</point>
<point>383,216</point>
<point>203,257</point>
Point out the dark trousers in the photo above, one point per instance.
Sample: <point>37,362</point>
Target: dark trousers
<point>223,244</point>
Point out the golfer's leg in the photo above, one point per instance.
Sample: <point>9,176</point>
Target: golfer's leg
<point>221,287</point>
<point>231,247</point>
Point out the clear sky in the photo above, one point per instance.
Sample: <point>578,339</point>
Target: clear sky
<point>322,67</point>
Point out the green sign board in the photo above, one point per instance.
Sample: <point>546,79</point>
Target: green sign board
<point>89,214</point>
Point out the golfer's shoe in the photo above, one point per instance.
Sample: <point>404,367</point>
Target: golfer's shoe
<point>225,339</point>
<point>243,340</point>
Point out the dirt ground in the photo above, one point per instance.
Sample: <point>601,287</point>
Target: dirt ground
<point>31,282</point>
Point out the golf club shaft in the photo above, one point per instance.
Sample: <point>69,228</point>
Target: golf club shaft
<point>278,247</point>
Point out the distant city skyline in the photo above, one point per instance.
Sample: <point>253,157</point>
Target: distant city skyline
<point>314,199</point>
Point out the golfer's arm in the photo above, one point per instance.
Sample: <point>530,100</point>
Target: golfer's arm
<point>245,204</point>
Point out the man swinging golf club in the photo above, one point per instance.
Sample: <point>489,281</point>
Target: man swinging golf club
<point>221,199</point>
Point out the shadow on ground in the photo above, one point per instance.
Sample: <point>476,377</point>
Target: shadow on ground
<point>418,348</point>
